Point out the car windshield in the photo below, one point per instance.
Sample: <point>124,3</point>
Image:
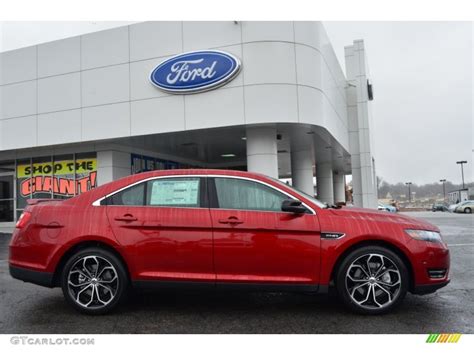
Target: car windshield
<point>309,197</point>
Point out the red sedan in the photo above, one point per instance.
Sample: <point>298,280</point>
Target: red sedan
<point>221,228</point>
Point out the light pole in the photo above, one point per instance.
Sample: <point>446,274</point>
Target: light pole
<point>462,170</point>
<point>444,188</point>
<point>409,191</point>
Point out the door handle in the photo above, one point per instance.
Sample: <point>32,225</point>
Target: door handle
<point>126,218</point>
<point>231,220</point>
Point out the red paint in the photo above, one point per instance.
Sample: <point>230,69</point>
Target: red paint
<point>201,244</point>
<point>167,242</point>
<point>265,246</point>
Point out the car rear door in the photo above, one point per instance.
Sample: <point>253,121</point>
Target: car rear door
<point>255,242</point>
<point>164,226</point>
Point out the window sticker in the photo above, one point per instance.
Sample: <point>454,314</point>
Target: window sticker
<point>175,193</point>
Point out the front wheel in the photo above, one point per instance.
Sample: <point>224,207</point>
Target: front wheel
<point>467,210</point>
<point>372,280</point>
<point>94,281</point>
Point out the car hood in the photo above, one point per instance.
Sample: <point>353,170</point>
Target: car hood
<point>371,215</point>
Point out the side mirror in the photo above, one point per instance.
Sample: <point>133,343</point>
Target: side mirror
<point>293,206</point>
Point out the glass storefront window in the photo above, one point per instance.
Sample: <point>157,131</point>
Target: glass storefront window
<point>6,210</point>
<point>86,172</point>
<point>42,174</point>
<point>142,163</point>
<point>7,167</point>
<point>6,187</point>
<point>7,192</point>
<point>64,176</point>
<point>59,177</point>
<point>23,182</point>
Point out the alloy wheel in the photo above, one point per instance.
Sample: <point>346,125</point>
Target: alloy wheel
<point>373,281</point>
<point>92,282</point>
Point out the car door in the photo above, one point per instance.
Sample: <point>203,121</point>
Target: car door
<point>164,226</point>
<point>254,241</point>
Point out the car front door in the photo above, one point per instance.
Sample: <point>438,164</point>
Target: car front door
<point>164,226</point>
<point>255,242</point>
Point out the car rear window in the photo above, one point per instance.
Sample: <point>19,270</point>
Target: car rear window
<point>132,196</point>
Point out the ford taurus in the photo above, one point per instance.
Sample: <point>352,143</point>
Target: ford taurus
<point>217,228</point>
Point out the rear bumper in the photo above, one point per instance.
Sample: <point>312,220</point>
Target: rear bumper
<point>36,277</point>
<point>430,288</point>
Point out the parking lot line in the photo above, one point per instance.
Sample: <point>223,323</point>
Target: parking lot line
<point>460,245</point>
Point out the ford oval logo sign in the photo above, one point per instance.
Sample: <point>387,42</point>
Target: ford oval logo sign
<point>195,71</point>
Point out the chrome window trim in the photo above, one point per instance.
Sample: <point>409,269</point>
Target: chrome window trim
<point>98,201</point>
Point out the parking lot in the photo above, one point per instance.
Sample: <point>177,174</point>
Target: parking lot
<point>26,308</point>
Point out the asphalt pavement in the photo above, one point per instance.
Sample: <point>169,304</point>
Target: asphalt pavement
<point>27,308</point>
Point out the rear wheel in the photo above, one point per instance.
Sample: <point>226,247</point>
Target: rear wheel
<point>467,210</point>
<point>372,280</point>
<point>94,281</point>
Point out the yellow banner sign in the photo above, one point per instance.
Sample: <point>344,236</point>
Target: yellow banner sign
<point>63,167</point>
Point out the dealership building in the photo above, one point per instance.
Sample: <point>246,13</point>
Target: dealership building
<point>267,97</point>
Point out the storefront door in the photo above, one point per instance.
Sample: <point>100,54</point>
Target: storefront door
<point>7,197</point>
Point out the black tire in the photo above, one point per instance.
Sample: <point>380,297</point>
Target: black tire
<point>117,288</point>
<point>345,286</point>
<point>467,210</point>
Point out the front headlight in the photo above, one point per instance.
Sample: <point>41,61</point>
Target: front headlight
<point>428,236</point>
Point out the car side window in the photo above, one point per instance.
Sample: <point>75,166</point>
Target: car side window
<point>242,194</point>
<point>174,192</point>
<point>132,196</point>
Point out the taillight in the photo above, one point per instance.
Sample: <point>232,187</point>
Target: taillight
<point>23,220</point>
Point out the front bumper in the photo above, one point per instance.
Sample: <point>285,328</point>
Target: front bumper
<point>36,277</point>
<point>430,288</point>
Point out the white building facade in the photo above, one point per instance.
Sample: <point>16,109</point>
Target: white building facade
<point>82,111</point>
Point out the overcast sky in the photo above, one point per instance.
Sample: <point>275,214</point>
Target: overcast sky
<point>423,106</point>
<point>423,84</point>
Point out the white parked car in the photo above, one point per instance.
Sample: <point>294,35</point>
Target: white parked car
<point>451,208</point>
<point>465,207</point>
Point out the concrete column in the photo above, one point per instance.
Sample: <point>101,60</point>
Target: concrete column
<point>324,182</point>
<point>339,187</point>
<point>262,155</point>
<point>361,144</point>
<point>357,187</point>
<point>302,167</point>
<point>112,165</point>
